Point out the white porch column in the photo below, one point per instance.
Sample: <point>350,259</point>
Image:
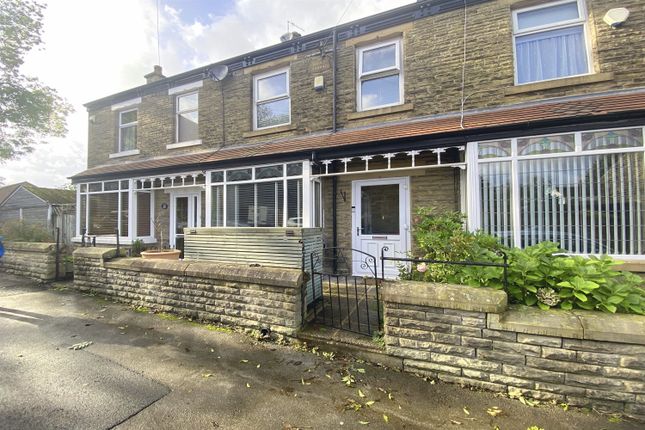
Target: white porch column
<point>472,187</point>
<point>307,195</point>
<point>208,200</point>
<point>78,210</point>
<point>132,210</point>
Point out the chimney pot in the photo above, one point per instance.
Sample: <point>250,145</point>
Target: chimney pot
<point>155,75</point>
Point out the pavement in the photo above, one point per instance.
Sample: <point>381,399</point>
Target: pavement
<point>152,371</point>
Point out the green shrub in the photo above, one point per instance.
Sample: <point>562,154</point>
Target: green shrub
<point>539,275</point>
<point>20,231</point>
<point>137,247</point>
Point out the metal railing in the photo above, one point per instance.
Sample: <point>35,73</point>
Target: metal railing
<point>502,254</point>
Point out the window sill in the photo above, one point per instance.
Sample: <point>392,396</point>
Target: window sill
<point>184,144</point>
<point>382,111</point>
<point>272,130</point>
<point>559,83</point>
<point>125,153</point>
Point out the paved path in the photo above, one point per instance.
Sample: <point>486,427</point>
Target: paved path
<point>143,371</point>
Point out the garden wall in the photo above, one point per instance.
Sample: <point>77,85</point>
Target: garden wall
<point>471,337</point>
<point>232,294</point>
<point>33,260</point>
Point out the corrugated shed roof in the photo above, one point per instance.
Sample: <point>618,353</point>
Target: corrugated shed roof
<point>590,106</point>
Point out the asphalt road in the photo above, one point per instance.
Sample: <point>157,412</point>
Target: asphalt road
<point>145,371</point>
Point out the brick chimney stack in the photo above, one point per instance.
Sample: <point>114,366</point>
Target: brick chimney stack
<point>154,76</point>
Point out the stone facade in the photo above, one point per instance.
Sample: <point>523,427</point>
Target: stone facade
<point>239,295</point>
<point>467,336</point>
<point>432,69</point>
<point>32,260</point>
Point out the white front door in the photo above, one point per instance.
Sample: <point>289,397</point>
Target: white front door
<point>185,212</point>
<point>380,218</point>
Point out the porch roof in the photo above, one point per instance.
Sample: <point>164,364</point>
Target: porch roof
<point>534,114</point>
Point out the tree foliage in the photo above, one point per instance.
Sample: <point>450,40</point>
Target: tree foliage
<point>29,110</point>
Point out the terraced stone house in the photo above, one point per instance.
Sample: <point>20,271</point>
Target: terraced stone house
<point>526,115</point>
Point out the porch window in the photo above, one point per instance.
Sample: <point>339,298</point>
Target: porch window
<point>380,81</point>
<point>261,196</point>
<point>271,99</point>
<point>144,213</point>
<point>584,191</point>
<point>187,117</point>
<point>550,41</point>
<point>128,130</point>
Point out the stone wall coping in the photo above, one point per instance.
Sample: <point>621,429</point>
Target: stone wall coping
<point>30,246</point>
<point>95,253</point>
<point>288,278</point>
<point>449,296</point>
<point>575,324</point>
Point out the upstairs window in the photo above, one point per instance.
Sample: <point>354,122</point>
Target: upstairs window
<point>187,121</point>
<point>128,130</point>
<point>380,81</point>
<point>271,99</point>
<point>550,42</point>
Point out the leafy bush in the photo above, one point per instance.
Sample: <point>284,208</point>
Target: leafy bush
<point>20,231</point>
<point>137,247</point>
<point>539,275</point>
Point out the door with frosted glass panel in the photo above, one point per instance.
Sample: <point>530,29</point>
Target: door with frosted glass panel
<point>380,210</point>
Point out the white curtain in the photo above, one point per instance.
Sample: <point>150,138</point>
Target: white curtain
<point>551,54</point>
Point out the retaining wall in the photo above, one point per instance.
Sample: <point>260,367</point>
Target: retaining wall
<point>33,260</point>
<point>232,294</point>
<point>471,337</point>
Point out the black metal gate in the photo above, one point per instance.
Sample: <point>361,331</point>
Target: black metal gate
<point>337,299</point>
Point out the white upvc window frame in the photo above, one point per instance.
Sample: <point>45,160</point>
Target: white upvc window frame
<point>284,96</point>
<point>306,193</point>
<point>581,20</point>
<point>397,69</point>
<point>178,112</point>
<point>127,125</point>
<point>125,237</point>
<point>473,162</point>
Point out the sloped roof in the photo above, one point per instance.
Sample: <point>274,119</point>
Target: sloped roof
<point>54,196</point>
<point>50,195</point>
<point>8,190</point>
<point>515,115</point>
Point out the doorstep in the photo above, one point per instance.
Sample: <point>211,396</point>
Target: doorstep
<point>348,343</point>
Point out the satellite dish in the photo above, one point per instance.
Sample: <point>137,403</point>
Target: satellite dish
<point>616,17</point>
<point>218,72</point>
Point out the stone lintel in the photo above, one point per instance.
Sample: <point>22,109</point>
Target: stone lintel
<point>445,296</point>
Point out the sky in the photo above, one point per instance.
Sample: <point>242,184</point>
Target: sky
<point>94,48</point>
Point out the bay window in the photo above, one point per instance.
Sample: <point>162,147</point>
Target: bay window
<point>550,41</point>
<point>584,191</point>
<point>104,208</point>
<point>261,196</point>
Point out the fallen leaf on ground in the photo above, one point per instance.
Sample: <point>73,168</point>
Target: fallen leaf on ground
<point>370,403</point>
<point>81,345</point>
<point>360,393</point>
<point>258,366</point>
<point>207,375</point>
<point>386,418</point>
<point>360,370</point>
<point>494,411</point>
<point>244,361</point>
<point>466,411</point>
<point>455,422</point>
<point>248,385</point>
<point>365,423</point>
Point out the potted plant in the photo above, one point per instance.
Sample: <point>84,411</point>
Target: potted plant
<point>160,253</point>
